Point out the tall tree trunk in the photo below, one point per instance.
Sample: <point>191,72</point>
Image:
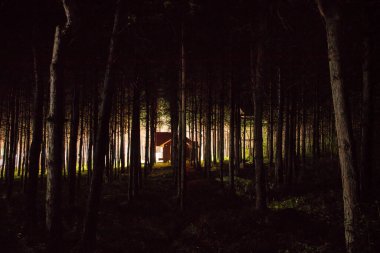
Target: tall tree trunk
<point>314,129</point>
<point>14,106</point>
<point>237,133</point>
<point>194,152</point>
<point>304,122</point>
<point>214,133</point>
<point>292,141</point>
<point>90,142</point>
<point>365,168</point>
<point>135,145</point>
<point>231,163</point>
<point>258,104</point>
<point>35,147</point>
<point>200,133</point>
<point>74,125</point>
<point>55,128</point>
<point>244,139</point>
<point>26,152</point>
<point>221,135</point>
<point>90,222</point>
<point>182,124</point>
<point>208,134</point>
<point>153,119</point>
<point>80,157</point>
<point>331,13</point>
<point>122,131</point>
<point>55,140</point>
<point>286,141</point>
<point>270,131</point>
<point>174,129</point>
<point>128,132</point>
<point>6,146</point>
<point>21,142</point>
<point>43,155</point>
<point>146,165</point>
<point>278,163</point>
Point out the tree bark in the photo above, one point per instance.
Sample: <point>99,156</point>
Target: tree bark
<point>231,163</point>
<point>55,140</point>
<point>13,137</point>
<point>153,119</point>
<point>182,124</point>
<point>35,147</point>
<point>330,12</point>
<point>208,135</point>
<point>122,131</point>
<point>90,222</point>
<point>366,156</point>
<point>304,122</point>
<point>258,104</point>
<point>174,129</point>
<point>221,135</point>
<point>74,126</point>
<point>146,164</point>
<point>270,131</point>
<point>278,161</point>
<point>135,145</point>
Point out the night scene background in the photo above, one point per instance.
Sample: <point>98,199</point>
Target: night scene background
<point>189,126</point>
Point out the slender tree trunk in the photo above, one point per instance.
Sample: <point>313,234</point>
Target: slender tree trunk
<point>153,118</point>
<point>90,143</point>
<point>194,152</point>
<point>182,125</point>
<point>128,133</point>
<point>146,165</point>
<point>304,122</point>
<point>196,143</point>
<point>231,167</point>
<point>314,145</point>
<point>270,131</point>
<point>35,147</point>
<point>221,135</point>
<point>208,135</point>
<point>25,163</point>
<point>73,145</point>
<point>14,106</point>
<point>55,140</point>
<point>6,146</point>
<point>237,134</point>
<point>95,124</point>
<point>331,14</point>
<point>244,139</point>
<point>214,145</point>
<point>122,131</point>
<point>80,158</point>
<point>200,132</point>
<point>258,110</point>
<point>90,222</point>
<point>174,129</point>
<point>286,141</point>
<point>135,145</point>
<point>365,168</point>
<point>21,142</point>
<point>43,156</point>
<point>278,162</point>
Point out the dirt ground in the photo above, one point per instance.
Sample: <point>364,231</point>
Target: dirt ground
<point>306,218</point>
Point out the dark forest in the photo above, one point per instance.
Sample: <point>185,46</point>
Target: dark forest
<point>189,126</point>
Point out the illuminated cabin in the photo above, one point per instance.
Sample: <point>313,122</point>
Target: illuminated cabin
<point>164,146</point>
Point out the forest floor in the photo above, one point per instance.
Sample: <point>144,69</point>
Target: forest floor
<point>302,218</point>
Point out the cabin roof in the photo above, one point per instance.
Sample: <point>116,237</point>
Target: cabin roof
<point>163,138</point>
